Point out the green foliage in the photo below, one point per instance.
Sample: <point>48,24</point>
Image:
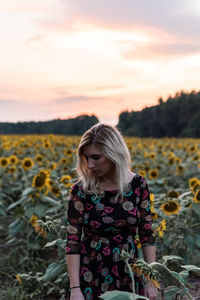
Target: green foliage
<point>73,126</point>
<point>179,116</point>
<point>117,295</point>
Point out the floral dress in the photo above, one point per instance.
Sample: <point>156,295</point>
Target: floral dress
<point>99,228</point>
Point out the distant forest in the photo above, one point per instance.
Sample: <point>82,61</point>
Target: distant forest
<point>74,126</point>
<point>178,116</point>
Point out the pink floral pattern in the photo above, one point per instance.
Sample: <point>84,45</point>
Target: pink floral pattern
<point>102,230</point>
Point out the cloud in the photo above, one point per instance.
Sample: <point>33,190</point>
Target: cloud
<point>75,99</point>
<point>161,51</point>
<point>170,16</point>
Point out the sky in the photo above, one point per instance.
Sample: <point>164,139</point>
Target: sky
<point>64,58</point>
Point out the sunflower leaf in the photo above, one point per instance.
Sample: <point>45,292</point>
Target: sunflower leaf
<point>119,295</point>
<point>166,258</point>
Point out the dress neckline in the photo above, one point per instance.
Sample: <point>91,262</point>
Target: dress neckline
<point>116,190</point>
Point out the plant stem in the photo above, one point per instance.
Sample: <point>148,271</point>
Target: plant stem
<point>132,277</point>
<point>169,272</point>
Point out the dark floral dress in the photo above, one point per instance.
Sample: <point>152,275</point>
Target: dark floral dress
<point>99,228</point>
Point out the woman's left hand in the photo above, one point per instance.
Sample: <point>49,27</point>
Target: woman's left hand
<point>150,291</point>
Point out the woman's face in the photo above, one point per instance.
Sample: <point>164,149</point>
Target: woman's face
<point>99,165</point>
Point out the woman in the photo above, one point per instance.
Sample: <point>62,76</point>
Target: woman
<point>106,207</point>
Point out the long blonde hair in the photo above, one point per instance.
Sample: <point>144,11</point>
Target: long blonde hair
<point>111,143</point>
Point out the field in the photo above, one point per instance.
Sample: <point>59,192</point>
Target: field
<point>36,175</point>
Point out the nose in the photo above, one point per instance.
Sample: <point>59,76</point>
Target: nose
<point>91,163</point>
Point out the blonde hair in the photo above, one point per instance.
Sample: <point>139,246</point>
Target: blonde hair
<point>111,143</point>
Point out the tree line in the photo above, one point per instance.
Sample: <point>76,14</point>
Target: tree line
<point>179,116</point>
<point>73,126</point>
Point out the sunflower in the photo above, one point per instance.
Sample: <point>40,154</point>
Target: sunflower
<point>193,181</point>
<point>171,207</point>
<point>196,187</point>
<point>154,215</point>
<point>193,148</point>
<point>27,163</point>
<point>12,169</point>
<point>138,243</point>
<point>173,194</point>
<point>64,160</point>
<point>4,162</point>
<point>53,166</point>
<point>13,159</point>
<point>161,228</point>
<point>196,158</point>
<point>197,197</point>
<point>55,190</point>
<point>69,153</point>
<point>18,279</point>
<point>142,173</point>
<point>152,155</point>
<point>40,180</point>
<point>152,197</point>
<point>178,160</point>
<point>65,179</point>
<point>179,169</point>
<point>33,220</point>
<point>140,267</point>
<point>171,161</point>
<point>46,144</point>
<point>153,174</point>
<point>41,231</point>
<point>39,159</point>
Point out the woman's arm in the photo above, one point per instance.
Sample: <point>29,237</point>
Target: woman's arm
<point>149,253</point>
<point>73,267</point>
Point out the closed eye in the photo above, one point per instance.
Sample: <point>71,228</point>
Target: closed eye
<point>96,157</point>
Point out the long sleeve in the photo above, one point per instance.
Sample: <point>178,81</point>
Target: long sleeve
<point>75,215</point>
<point>145,230</point>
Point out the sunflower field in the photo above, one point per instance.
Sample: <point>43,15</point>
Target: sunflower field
<point>36,176</point>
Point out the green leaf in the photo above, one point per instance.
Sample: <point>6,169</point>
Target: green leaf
<point>119,295</point>
<point>166,258</point>
<point>53,271</point>
<point>40,210</point>
<point>58,242</point>
<point>191,268</point>
<point>170,291</point>
<point>27,191</point>
<point>2,212</point>
<point>15,227</point>
<point>48,200</point>
<point>15,204</point>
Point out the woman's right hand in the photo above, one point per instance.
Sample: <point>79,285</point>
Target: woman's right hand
<point>76,294</point>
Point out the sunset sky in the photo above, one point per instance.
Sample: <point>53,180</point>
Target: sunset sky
<point>63,58</point>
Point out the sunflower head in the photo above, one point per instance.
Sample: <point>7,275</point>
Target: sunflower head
<point>142,173</point>
<point>197,197</point>
<point>13,159</point>
<point>12,169</point>
<point>18,279</point>
<point>41,179</point>
<point>193,181</point>
<point>4,162</point>
<point>196,187</point>
<point>141,267</point>
<point>171,207</point>
<point>154,215</point>
<point>173,194</point>
<point>153,174</point>
<point>27,163</point>
<point>161,228</point>
<point>152,155</point>
<point>55,190</point>
<point>33,220</point>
